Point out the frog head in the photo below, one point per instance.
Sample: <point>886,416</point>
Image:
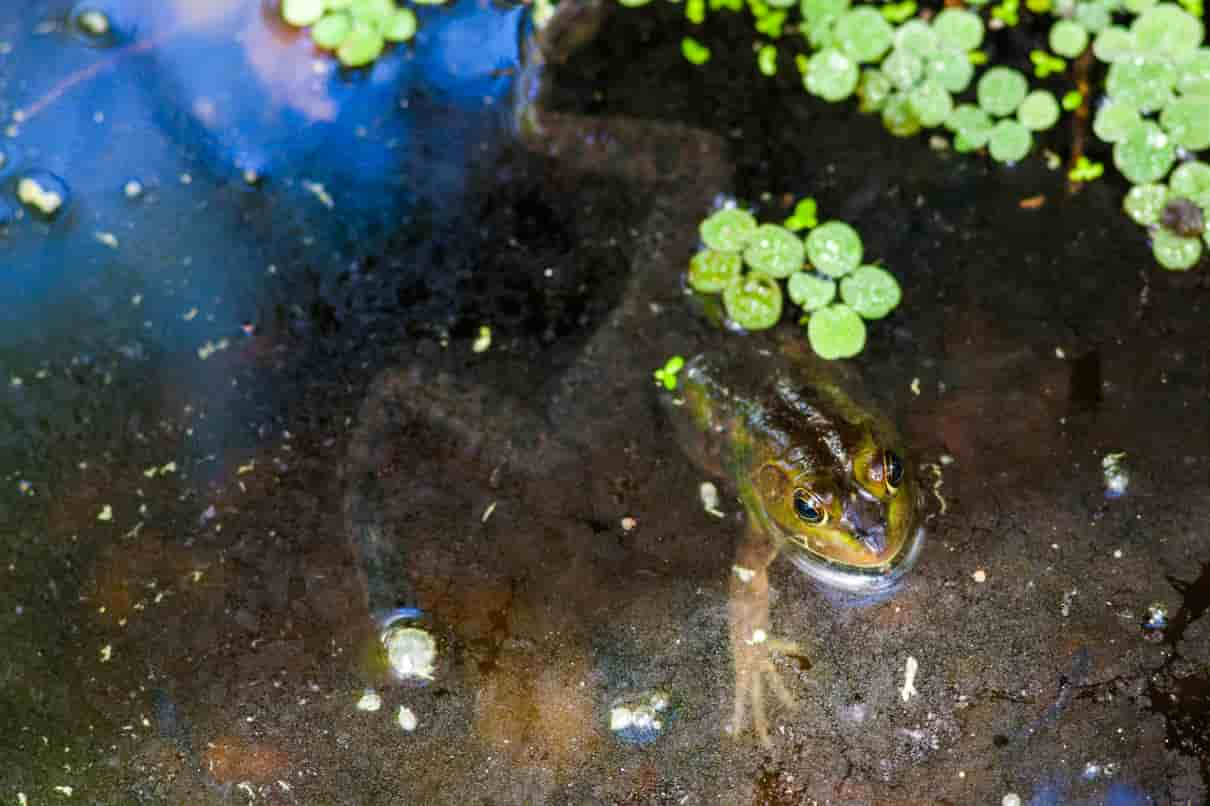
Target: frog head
<point>847,507</point>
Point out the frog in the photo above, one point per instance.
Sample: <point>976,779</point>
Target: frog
<point>823,478</point>
<point>781,430</point>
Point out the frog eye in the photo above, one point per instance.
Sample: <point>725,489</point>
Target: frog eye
<point>893,470</point>
<point>806,508</point>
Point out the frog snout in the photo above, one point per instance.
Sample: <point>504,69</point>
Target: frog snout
<point>866,519</point>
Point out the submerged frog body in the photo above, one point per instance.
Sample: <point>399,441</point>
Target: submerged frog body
<point>822,478</point>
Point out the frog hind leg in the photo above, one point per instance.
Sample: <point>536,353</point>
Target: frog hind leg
<point>753,649</point>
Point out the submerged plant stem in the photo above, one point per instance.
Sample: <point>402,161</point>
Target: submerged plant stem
<point>1080,118</point>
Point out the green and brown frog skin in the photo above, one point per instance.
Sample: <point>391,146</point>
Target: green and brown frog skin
<point>776,426</point>
<point>822,478</point>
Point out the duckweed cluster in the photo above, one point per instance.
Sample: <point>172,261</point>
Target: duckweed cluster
<point>746,262</point>
<point>921,70</point>
<point>357,31</point>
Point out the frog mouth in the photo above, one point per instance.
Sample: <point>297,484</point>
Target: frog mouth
<point>855,578</point>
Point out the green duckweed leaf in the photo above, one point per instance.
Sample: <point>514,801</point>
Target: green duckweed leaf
<point>931,104</point>
<point>1114,43</point>
<point>1093,17</point>
<point>1001,90</point>
<point>834,248</point>
<point>1187,119</point>
<point>831,75</point>
<point>1115,120</point>
<point>1085,170</point>
<point>1039,111</point>
<point>836,332</point>
<point>1167,30</point>
<point>918,37</point>
<point>694,52</point>
<point>1009,141</point>
<point>862,34</point>
<point>972,124</point>
<point>301,13</point>
<point>898,117</point>
<point>1191,180</point>
<point>1174,252</point>
<point>401,26</point>
<point>1145,155</point>
<point>372,12</point>
<point>1068,38</point>
<point>810,291</point>
<point>951,68</point>
<point>774,251</point>
<point>1193,75</point>
<point>710,272</point>
<point>330,31</point>
<point>874,88</point>
<point>904,68</point>
<point>754,301</point>
<point>871,291</point>
<point>1144,203</point>
<point>728,230</point>
<point>959,28</point>
<point>1143,82</point>
<point>766,60</point>
<point>362,45</point>
<point>666,375</point>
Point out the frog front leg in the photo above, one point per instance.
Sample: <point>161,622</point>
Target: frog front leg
<point>752,647</point>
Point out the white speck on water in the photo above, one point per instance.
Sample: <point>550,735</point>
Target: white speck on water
<point>106,513</point>
<point>370,701</point>
<point>709,495</point>
<point>1011,799</point>
<point>407,719</point>
<point>321,193</point>
<point>1068,597</point>
<point>629,523</point>
<point>979,576</point>
<point>483,341</point>
<point>909,679</point>
<point>487,513</point>
<point>745,575</point>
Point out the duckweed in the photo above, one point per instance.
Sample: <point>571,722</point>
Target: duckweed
<point>357,31</point>
<point>774,251</point>
<point>1145,155</point>
<point>836,332</point>
<point>1145,202</point>
<point>809,291</point>
<point>1039,111</point>
<point>1068,38</point>
<point>1174,252</point>
<point>1009,141</point>
<point>871,291</point>
<point>915,72</point>
<point>753,302</point>
<point>728,230</point>
<point>834,248</point>
<point>831,75</point>
<point>1001,90</point>
<point>711,271</point>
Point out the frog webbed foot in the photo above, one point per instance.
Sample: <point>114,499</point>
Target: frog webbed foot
<point>756,674</point>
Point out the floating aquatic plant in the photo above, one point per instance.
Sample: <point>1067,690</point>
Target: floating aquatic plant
<point>921,72</point>
<point>815,271</point>
<point>357,31</point>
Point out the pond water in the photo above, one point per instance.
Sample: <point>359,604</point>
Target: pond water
<point>253,429</point>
